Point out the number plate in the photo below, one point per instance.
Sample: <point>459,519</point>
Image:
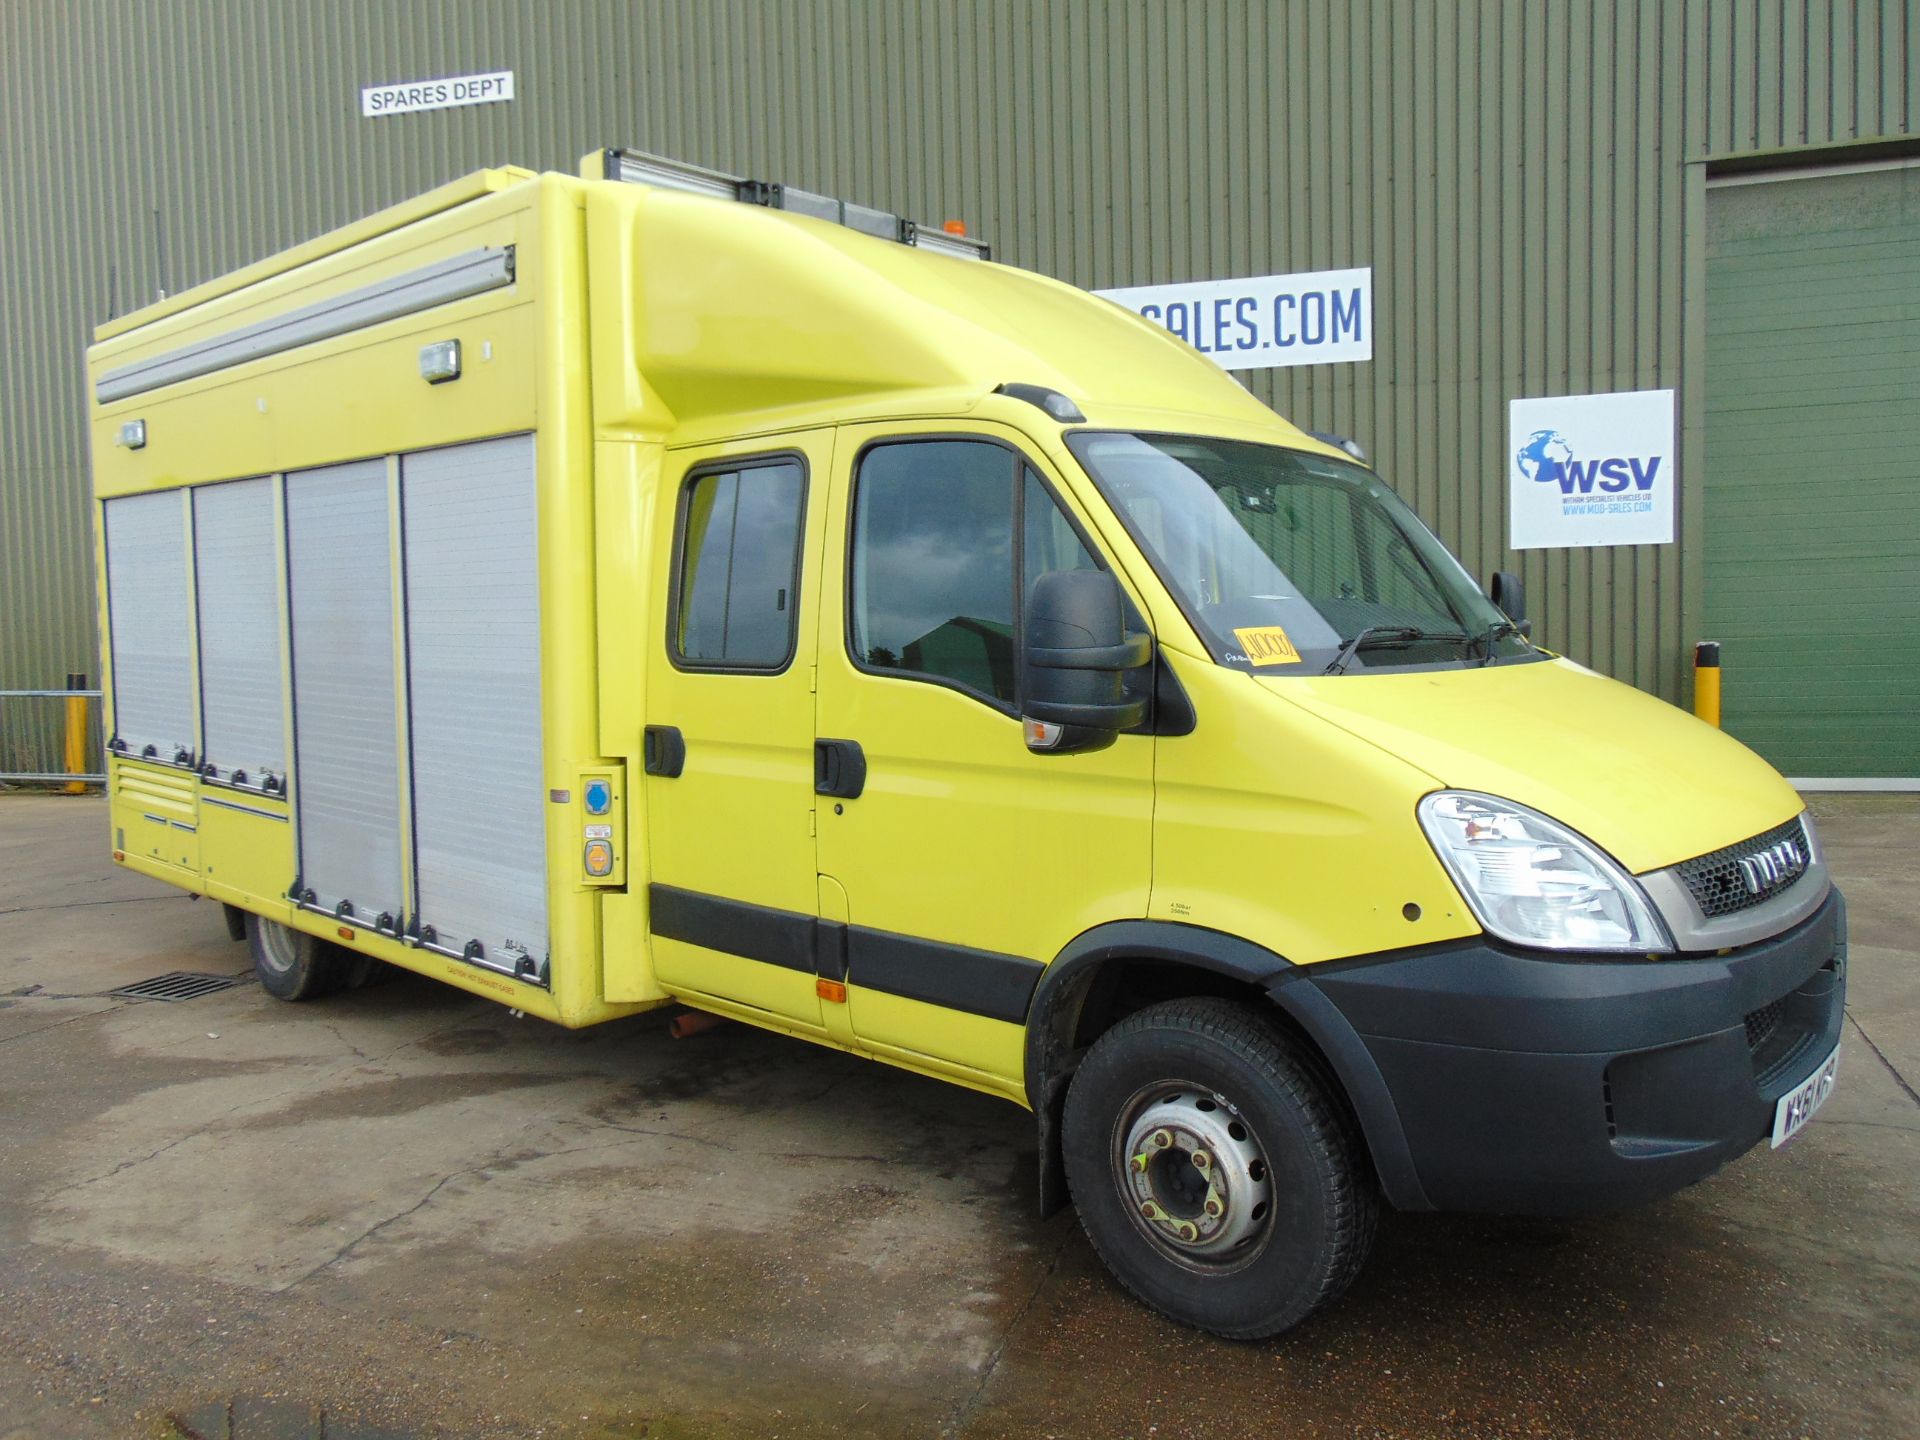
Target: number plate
<point>1796,1107</point>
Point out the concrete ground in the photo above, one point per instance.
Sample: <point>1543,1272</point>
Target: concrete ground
<point>423,1217</point>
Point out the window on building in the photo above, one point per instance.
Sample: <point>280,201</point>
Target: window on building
<point>736,599</point>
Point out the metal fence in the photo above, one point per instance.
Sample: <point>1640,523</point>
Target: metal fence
<point>32,727</point>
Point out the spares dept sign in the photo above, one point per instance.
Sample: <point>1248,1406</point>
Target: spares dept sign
<point>444,94</point>
<point>1592,470</point>
<point>1321,318</point>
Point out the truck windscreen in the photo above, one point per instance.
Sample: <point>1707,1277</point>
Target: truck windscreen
<point>1294,564</point>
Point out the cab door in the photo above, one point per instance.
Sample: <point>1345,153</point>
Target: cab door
<point>966,860</point>
<point>729,737</point>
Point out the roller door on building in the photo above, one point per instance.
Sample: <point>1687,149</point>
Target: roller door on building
<point>1812,494</point>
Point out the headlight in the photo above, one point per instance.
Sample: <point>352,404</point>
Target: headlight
<point>1532,881</point>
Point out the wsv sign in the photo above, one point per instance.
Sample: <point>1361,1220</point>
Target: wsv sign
<point>1547,458</point>
<point>1592,470</point>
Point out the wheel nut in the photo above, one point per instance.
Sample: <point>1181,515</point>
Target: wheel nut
<point>1213,1207</point>
<point>1201,1160</point>
<point>1162,1139</point>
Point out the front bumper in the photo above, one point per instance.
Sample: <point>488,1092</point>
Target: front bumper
<point>1522,1084</point>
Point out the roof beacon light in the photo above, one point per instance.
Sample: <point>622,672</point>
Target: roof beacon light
<point>636,167</point>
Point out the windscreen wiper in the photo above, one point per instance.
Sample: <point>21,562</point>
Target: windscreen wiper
<point>1493,635</point>
<point>1380,636</point>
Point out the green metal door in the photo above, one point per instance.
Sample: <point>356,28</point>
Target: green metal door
<point>1813,468</point>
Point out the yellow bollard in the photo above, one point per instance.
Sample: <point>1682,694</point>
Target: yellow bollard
<point>76,735</point>
<point>1706,681</point>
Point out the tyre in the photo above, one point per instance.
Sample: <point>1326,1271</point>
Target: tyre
<point>361,971</point>
<point>293,965</point>
<point>1215,1170</point>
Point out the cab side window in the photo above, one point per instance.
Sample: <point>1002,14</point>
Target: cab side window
<point>941,528</point>
<point>739,567</point>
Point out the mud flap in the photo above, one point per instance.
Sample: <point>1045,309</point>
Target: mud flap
<point>1054,1196</point>
<point>236,921</point>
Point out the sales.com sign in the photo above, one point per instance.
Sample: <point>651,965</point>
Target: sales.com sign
<point>1321,318</point>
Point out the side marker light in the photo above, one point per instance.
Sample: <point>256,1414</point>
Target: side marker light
<point>1043,735</point>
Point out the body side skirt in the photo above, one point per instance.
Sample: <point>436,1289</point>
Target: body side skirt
<point>978,982</point>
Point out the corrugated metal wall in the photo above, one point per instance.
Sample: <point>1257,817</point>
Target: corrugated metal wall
<point>1515,172</point>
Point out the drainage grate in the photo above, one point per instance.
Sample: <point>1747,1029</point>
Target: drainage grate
<point>178,985</point>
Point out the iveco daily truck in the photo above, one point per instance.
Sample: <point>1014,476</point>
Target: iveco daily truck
<point>654,586</point>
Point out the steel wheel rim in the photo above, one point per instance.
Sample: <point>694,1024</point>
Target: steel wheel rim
<point>277,950</point>
<point>1193,1176</point>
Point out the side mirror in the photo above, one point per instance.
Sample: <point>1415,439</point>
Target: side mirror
<point>1076,653</point>
<point>1509,596</point>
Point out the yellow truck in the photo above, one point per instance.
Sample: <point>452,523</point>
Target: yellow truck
<point>654,587</point>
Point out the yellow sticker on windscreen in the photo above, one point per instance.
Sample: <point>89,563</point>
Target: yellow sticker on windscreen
<point>1267,645</point>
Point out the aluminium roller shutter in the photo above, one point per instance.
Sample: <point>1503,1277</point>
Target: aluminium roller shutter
<point>469,524</point>
<point>237,570</point>
<point>149,624</point>
<point>346,768</point>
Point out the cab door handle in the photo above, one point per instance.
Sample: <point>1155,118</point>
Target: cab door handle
<point>663,751</point>
<point>839,768</point>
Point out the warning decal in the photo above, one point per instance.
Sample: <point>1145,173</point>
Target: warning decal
<point>1267,645</point>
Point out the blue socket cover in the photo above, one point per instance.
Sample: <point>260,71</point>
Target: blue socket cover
<point>599,796</point>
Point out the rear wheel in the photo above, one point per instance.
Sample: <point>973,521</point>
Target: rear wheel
<point>293,965</point>
<point>1215,1170</point>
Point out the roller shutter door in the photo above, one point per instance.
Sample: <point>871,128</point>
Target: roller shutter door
<point>1812,519</point>
<point>346,772</point>
<point>473,688</point>
<point>149,625</point>
<point>237,560</point>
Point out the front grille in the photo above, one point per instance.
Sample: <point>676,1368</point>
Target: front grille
<point>1716,883</point>
<point>1763,1022</point>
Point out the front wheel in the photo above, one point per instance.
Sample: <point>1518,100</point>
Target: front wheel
<point>293,965</point>
<point>1215,1171</point>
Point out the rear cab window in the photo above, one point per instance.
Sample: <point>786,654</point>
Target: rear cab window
<point>738,567</point>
